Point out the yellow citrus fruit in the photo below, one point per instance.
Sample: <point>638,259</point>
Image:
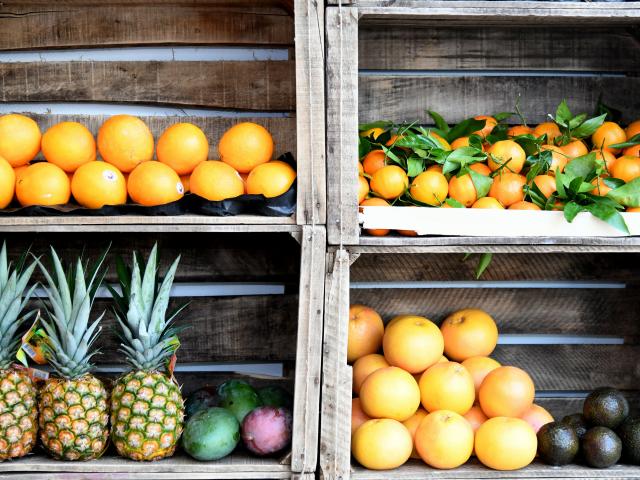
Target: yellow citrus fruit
<point>96,184</point>
<point>443,143</point>
<point>517,130</point>
<point>245,146</point>
<point>574,149</point>
<point>182,147</point>
<point>469,333</point>
<point>504,443</point>
<point>524,206</point>
<point>430,187</point>
<point>444,439</point>
<point>365,332</point>
<point>550,129</point>
<point>365,366</point>
<point>537,416</point>
<point>479,367</point>
<point>606,157</point>
<point>125,141</point>
<point>381,444</point>
<point>186,183</point>
<point>609,133</point>
<point>507,188</point>
<point>43,184</point>
<point>412,343</point>
<point>375,132</point>
<point>447,386</point>
<point>373,161</point>
<point>19,139</point>
<point>358,417</point>
<point>215,181</point>
<point>19,170</point>
<point>390,392</point>
<point>389,182</point>
<point>363,189</point>
<point>154,183</point>
<point>463,190</point>
<point>506,392</point>
<point>546,184</point>
<point>459,143</point>
<point>507,153</point>
<point>489,124</point>
<point>633,129</point>
<point>476,417</point>
<point>271,179</point>
<point>7,183</point>
<point>626,168</point>
<point>412,423</point>
<point>601,188</point>
<point>68,145</point>
<point>488,202</point>
<point>558,158</point>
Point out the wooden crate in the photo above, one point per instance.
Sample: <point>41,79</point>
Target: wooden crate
<point>254,299</point>
<point>286,95</point>
<point>394,60</point>
<point>566,314</point>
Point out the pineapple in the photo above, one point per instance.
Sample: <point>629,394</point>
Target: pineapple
<point>146,404</point>
<point>74,413</point>
<point>18,409</point>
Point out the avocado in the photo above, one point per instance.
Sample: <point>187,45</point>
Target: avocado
<point>577,422</point>
<point>557,443</point>
<point>629,433</point>
<point>601,447</point>
<point>605,407</point>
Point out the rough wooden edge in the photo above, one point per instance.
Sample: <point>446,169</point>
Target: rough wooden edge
<point>310,112</point>
<point>342,125</point>
<point>335,431</point>
<point>309,350</point>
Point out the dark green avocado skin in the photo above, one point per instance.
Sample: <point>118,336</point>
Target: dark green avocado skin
<point>605,407</point>
<point>629,433</point>
<point>601,447</point>
<point>558,443</point>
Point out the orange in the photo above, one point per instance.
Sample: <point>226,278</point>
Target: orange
<point>523,206</point>
<point>373,161</point>
<point>394,138</point>
<point>125,141</point>
<point>365,366</point>
<point>96,184</point>
<point>480,168</point>
<point>507,188</point>
<point>215,181</point>
<point>519,130</point>
<point>444,440</point>
<point>476,417</point>
<point>389,182</point>
<point>447,386</point>
<point>558,158</point>
<point>575,149</point>
<point>430,187</point>
<point>489,124</point>
<point>182,146</point>
<point>19,139</point>
<point>626,168</point>
<point>68,145</point>
<point>19,171</point>
<point>154,183</point>
<point>606,157</point>
<point>601,188</point>
<point>506,392</point>
<point>375,132</point>
<point>507,153</point>
<point>550,129</point>
<point>186,183</point>
<point>460,142</point>
<point>365,332</point>
<point>245,146</point>
<point>633,209</point>
<point>479,367</point>
<point>632,129</point>
<point>390,392</point>
<point>412,423</point>
<point>505,443</point>
<point>412,343</point>
<point>358,417</point>
<point>463,190</point>
<point>360,169</point>
<point>609,133</point>
<point>43,184</point>
<point>376,202</point>
<point>633,151</point>
<point>7,183</point>
<point>546,184</point>
<point>381,444</point>
<point>271,179</point>
<point>443,143</point>
<point>434,168</point>
<point>469,333</point>
<point>537,416</point>
<point>488,202</point>
<point>363,188</point>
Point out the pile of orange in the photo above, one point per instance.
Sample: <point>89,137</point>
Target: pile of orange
<point>126,167</point>
<point>433,393</point>
<point>381,181</point>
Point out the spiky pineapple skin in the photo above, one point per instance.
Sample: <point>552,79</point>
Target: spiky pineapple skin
<point>18,414</point>
<point>74,418</point>
<point>147,413</point>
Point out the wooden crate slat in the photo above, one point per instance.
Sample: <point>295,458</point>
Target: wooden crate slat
<point>259,85</point>
<point>541,311</point>
<point>407,98</point>
<point>41,27</point>
<point>489,48</point>
<point>395,244</point>
<point>191,381</point>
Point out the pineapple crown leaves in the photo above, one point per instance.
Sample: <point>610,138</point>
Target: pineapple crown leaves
<point>14,297</point>
<point>71,295</point>
<point>146,335</point>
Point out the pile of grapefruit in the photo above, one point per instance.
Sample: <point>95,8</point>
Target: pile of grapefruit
<point>120,163</point>
<point>433,393</point>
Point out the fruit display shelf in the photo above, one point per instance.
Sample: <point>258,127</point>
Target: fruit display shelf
<point>565,314</point>
<point>461,59</point>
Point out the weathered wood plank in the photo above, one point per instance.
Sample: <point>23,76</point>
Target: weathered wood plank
<point>342,125</point>
<point>490,48</point>
<point>380,267</point>
<point>191,381</point>
<point>540,311</point>
<point>498,244</point>
<point>406,98</point>
<point>30,26</point>
<point>304,456</point>
<point>259,85</point>
<point>204,257</point>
